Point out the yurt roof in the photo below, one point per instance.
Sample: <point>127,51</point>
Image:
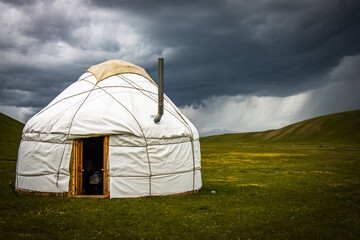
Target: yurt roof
<point>113,67</point>
<point>111,98</point>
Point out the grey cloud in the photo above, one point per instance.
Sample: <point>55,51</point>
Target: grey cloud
<point>341,93</point>
<point>18,2</point>
<point>273,48</point>
<point>245,113</point>
<point>211,48</point>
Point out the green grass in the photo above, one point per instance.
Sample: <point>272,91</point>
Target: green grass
<point>262,192</point>
<point>10,136</point>
<point>273,189</point>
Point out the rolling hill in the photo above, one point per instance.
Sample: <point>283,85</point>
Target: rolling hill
<point>335,129</point>
<point>10,136</point>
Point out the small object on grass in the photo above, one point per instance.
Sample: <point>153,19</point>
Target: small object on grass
<point>213,192</point>
<point>12,187</point>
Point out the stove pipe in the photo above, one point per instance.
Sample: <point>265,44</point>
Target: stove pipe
<point>160,90</point>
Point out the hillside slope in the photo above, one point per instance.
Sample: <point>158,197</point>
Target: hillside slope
<point>10,136</point>
<point>339,128</point>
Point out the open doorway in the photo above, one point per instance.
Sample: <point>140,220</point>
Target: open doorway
<point>93,166</point>
<point>89,174</point>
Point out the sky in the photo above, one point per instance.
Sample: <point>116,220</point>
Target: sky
<point>230,65</point>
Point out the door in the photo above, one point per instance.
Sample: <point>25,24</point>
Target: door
<point>89,175</point>
<point>105,163</point>
<point>77,167</point>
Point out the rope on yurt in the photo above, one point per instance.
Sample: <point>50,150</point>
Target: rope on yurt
<point>77,94</point>
<point>58,171</point>
<point>90,74</point>
<point>191,140</point>
<point>68,134</point>
<point>46,108</point>
<point>184,121</point>
<point>142,131</point>
<point>72,120</point>
<point>175,113</point>
<point>150,97</point>
<point>43,174</point>
<point>84,79</point>
<point>131,87</point>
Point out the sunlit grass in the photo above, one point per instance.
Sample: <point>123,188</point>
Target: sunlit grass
<point>257,192</point>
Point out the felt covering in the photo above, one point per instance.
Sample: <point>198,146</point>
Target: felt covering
<point>113,67</point>
<point>144,158</point>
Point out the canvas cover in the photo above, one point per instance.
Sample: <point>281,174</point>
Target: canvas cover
<point>144,158</point>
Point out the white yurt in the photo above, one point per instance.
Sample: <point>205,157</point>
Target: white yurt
<point>99,138</point>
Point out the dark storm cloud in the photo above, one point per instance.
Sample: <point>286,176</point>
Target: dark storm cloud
<point>32,89</point>
<point>211,48</point>
<point>18,2</point>
<point>263,47</point>
<point>241,113</point>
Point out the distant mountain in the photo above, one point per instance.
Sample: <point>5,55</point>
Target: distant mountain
<point>339,128</point>
<point>216,132</point>
<point>10,136</point>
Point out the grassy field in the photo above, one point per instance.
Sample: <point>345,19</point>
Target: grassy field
<point>262,192</point>
<point>10,136</point>
<point>298,182</point>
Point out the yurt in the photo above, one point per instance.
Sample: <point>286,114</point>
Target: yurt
<point>103,136</point>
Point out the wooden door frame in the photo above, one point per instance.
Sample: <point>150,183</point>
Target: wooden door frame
<point>77,170</point>
<point>105,165</point>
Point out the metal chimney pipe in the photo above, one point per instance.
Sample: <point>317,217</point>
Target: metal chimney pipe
<point>160,90</point>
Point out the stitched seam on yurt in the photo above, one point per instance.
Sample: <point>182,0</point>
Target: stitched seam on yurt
<point>112,145</point>
<point>39,175</point>
<point>40,133</point>
<point>156,175</point>
<point>150,144</point>
<point>187,137</point>
<point>146,147</point>
<point>28,140</point>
